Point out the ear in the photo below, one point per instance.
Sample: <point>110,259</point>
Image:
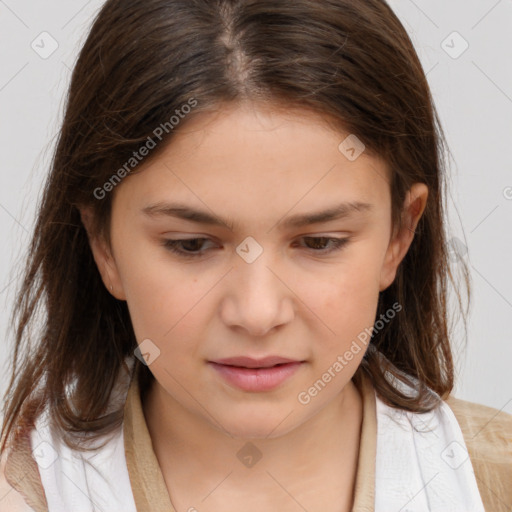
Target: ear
<point>414,205</point>
<point>102,255</point>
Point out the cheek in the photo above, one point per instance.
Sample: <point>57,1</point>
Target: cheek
<point>165,312</point>
<point>158,293</point>
<point>344,303</point>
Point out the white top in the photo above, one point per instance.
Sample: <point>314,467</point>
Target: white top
<point>427,455</point>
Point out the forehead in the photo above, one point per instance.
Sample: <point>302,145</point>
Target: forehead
<point>234,128</point>
<point>259,158</point>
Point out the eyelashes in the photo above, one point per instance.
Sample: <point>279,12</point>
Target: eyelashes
<point>176,246</point>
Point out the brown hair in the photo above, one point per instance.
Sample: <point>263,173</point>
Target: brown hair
<point>351,62</point>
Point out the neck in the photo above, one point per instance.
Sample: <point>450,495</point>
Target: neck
<point>327,458</point>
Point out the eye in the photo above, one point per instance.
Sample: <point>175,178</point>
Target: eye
<point>191,247</point>
<point>337,243</point>
<point>173,246</point>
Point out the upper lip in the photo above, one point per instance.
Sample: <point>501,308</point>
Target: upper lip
<point>249,362</point>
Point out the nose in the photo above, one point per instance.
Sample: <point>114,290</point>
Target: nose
<point>257,299</point>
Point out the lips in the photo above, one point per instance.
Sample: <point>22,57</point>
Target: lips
<point>249,362</point>
<point>256,375</point>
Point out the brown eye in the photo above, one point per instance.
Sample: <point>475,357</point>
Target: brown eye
<point>320,242</point>
<point>190,246</point>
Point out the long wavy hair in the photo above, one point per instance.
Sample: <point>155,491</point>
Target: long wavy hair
<point>352,62</point>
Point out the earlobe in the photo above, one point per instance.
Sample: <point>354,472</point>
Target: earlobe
<point>102,255</point>
<point>414,206</point>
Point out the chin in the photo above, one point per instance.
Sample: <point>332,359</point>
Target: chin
<point>265,425</point>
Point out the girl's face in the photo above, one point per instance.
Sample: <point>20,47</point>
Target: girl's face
<point>262,280</point>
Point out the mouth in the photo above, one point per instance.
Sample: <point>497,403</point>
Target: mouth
<point>250,362</point>
<point>255,375</point>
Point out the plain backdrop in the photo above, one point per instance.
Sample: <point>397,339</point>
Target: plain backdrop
<point>466,50</point>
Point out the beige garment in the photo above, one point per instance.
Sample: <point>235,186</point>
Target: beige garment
<point>487,433</point>
<point>488,436</point>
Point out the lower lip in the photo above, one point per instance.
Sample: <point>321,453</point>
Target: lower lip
<point>256,379</point>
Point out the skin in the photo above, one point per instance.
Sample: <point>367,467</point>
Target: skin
<point>255,165</point>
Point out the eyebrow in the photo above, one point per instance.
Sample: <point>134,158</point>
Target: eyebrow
<point>183,211</point>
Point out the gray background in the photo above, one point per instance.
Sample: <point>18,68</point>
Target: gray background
<point>473,94</point>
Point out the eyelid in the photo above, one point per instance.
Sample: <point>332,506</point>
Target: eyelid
<point>337,244</point>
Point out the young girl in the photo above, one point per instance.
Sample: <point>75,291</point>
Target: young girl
<point>242,259</point>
